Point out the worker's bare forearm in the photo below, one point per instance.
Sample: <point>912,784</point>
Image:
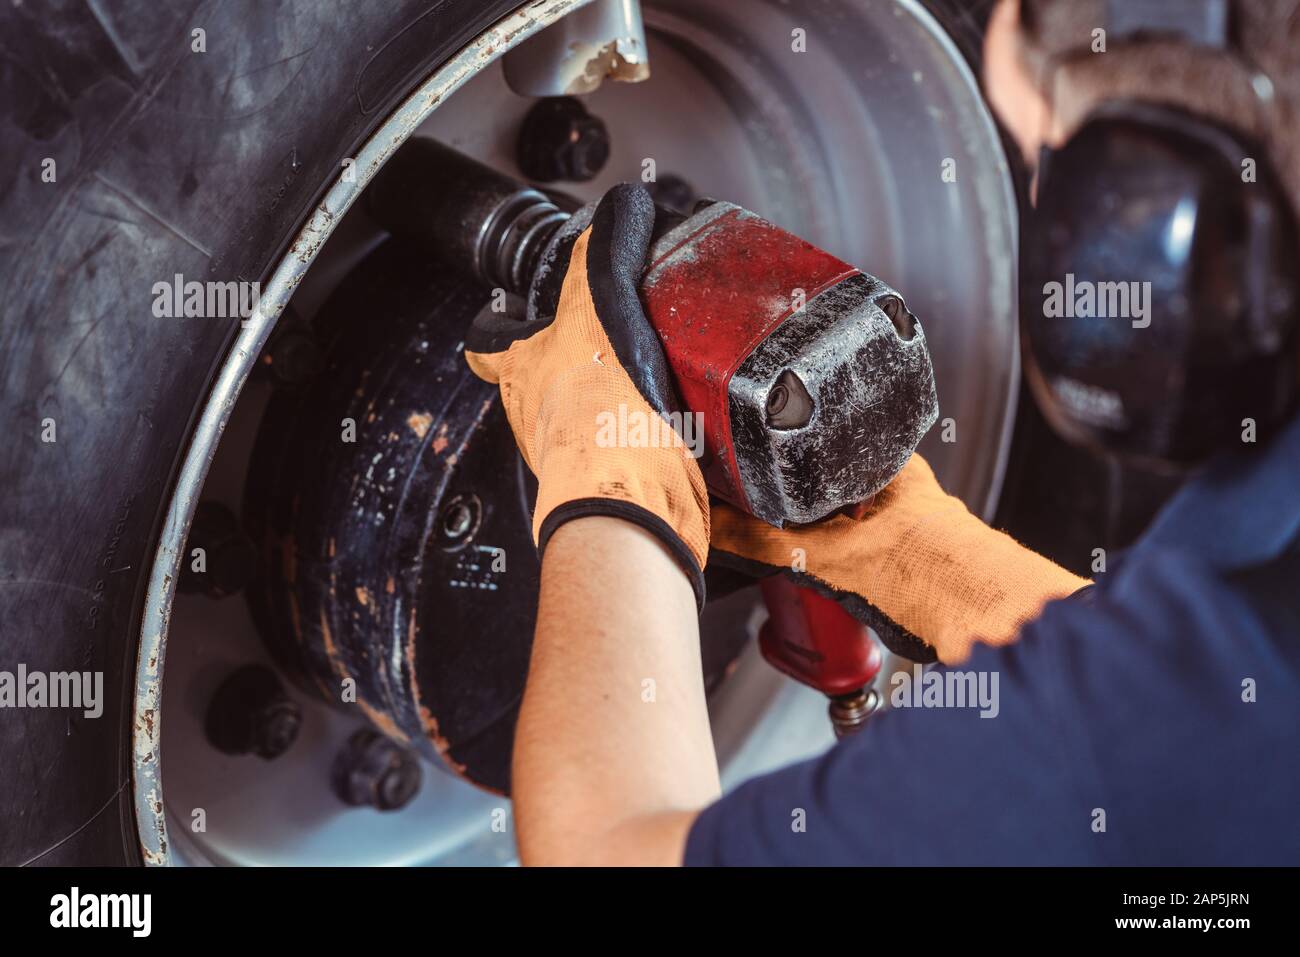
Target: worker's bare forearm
<point>613,753</point>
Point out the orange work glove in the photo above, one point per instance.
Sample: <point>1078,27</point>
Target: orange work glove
<point>570,384</point>
<point>928,576</point>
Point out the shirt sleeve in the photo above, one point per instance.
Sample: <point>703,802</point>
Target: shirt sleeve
<point>917,786</point>
<point>1115,732</point>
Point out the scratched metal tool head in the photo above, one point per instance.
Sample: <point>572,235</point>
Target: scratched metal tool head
<point>814,379</point>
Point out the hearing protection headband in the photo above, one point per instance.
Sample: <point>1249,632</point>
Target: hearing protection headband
<point>1159,294</point>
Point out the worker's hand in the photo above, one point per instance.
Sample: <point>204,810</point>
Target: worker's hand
<point>928,576</point>
<point>587,392</point>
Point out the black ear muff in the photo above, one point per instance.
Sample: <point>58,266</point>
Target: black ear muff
<point>1159,293</point>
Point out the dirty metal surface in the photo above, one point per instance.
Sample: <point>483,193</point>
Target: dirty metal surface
<point>873,395</point>
<point>738,303</point>
<point>716,285</point>
<point>605,39</point>
<point>400,565</point>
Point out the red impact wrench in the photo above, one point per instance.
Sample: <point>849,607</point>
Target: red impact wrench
<point>812,379</point>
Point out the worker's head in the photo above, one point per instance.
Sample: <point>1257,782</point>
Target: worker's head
<point>1161,296</point>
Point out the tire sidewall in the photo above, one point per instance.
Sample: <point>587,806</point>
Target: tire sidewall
<point>167,159</point>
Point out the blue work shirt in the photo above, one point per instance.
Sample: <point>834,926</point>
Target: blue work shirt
<point>1152,719</point>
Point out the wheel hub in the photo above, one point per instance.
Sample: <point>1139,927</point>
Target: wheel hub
<point>391,507</point>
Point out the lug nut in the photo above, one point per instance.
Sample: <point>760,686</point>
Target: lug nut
<point>252,714</point>
<point>372,771</point>
<point>672,191</point>
<point>226,558</point>
<point>295,357</point>
<point>560,140</point>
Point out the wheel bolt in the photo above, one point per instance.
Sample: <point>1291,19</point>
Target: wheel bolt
<point>295,357</point>
<point>219,558</point>
<point>252,714</point>
<point>672,191</point>
<point>373,771</point>
<point>560,140</point>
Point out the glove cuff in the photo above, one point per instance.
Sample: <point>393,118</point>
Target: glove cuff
<point>630,512</point>
<point>590,461</point>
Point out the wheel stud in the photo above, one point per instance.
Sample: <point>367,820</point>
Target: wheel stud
<point>372,771</point>
<point>219,558</point>
<point>674,192</point>
<point>295,358</point>
<point>252,714</point>
<point>560,140</point>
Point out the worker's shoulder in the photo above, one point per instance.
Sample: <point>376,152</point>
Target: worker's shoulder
<point>1171,607</point>
<point>1219,567</point>
<point>1171,694</point>
<point>1168,642</point>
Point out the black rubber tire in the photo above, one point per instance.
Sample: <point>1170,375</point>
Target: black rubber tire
<point>167,161</point>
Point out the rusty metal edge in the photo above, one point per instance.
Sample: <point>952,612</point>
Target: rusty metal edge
<point>146,732</point>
